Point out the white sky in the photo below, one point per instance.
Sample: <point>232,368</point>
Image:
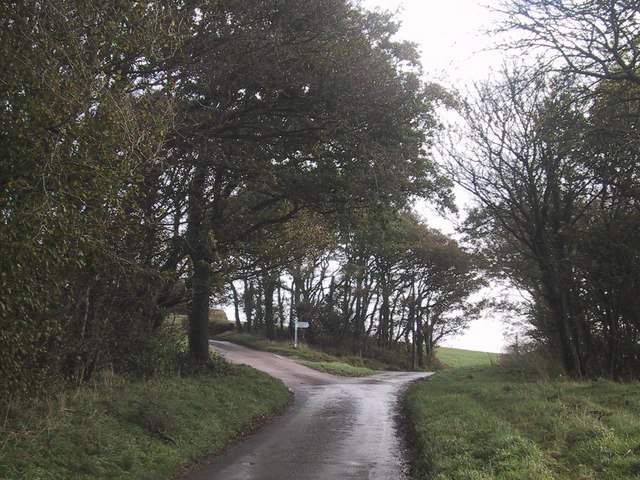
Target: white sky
<point>451,35</point>
<point>455,49</point>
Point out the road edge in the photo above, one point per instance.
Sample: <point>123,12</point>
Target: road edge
<point>256,424</point>
<point>406,428</point>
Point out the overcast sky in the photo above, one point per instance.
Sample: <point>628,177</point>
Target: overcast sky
<point>451,35</point>
<point>456,51</point>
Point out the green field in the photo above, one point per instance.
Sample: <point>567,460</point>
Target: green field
<point>480,418</point>
<point>491,422</point>
<point>455,357</point>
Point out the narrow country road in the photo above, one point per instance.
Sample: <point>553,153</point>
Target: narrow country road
<point>337,428</point>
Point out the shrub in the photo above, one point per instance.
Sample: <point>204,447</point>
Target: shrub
<point>533,360</point>
<point>157,354</point>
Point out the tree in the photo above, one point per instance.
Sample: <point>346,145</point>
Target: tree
<point>547,184</point>
<point>282,112</point>
<point>82,120</point>
<point>399,277</point>
<point>596,42</point>
<point>523,169</point>
<point>610,257</point>
<point>286,248</point>
<point>441,277</point>
<point>598,39</point>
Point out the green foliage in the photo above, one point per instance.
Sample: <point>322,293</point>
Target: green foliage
<point>160,353</point>
<point>75,140</point>
<point>491,422</point>
<point>396,282</point>
<point>551,169</point>
<point>532,361</point>
<point>551,156</point>
<point>136,161</point>
<point>122,429</point>
<point>290,114</point>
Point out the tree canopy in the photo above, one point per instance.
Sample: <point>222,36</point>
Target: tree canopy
<point>151,151</point>
<point>550,156</point>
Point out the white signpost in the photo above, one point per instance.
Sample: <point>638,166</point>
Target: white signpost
<point>295,331</point>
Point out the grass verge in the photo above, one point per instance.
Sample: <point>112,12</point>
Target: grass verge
<point>281,348</point>
<point>489,422</point>
<point>334,364</point>
<point>132,429</point>
<point>341,369</point>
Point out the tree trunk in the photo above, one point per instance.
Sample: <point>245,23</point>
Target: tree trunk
<point>420,341</point>
<point>280,309</point>
<point>268,287</point>
<point>197,233</point>
<point>199,314</point>
<point>428,338</point>
<point>412,322</point>
<point>358,328</point>
<point>385,314</point>
<point>361,305</point>
<point>562,320</point>
<point>295,301</point>
<point>258,320</point>
<point>248,304</point>
<point>236,307</point>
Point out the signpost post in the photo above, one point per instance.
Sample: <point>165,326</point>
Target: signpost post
<point>298,325</point>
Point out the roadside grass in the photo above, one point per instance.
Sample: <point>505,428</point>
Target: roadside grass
<point>258,342</point>
<point>123,429</point>
<point>491,422</point>
<point>383,359</point>
<point>341,369</point>
<point>456,358</point>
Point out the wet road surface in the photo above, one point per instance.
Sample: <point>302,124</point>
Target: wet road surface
<point>337,428</point>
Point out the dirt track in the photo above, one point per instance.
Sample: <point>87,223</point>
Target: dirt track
<point>337,428</point>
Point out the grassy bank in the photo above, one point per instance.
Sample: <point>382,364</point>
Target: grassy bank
<point>341,369</point>
<point>258,342</point>
<point>316,358</point>
<point>119,429</point>
<point>383,359</point>
<point>490,422</point>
